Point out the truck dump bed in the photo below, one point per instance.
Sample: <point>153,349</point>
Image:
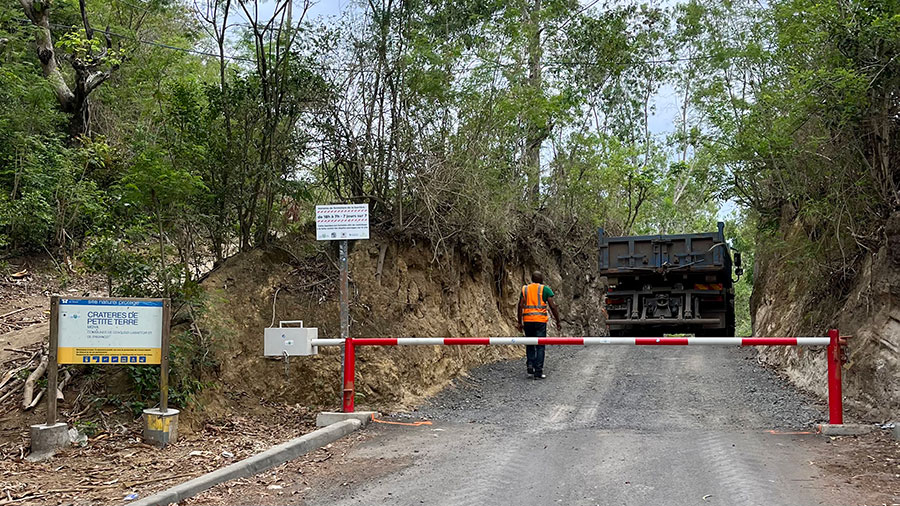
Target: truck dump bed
<point>666,284</point>
<point>691,252</point>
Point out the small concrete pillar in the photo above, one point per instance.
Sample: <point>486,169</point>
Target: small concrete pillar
<point>47,439</point>
<point>160,428</point>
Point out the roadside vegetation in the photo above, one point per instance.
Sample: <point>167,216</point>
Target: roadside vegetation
<point>148,141</point>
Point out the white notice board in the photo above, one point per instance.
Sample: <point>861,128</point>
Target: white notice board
<point>110,331</point>
<point>342,222</point>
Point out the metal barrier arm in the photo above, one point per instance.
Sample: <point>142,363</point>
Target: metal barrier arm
<point>579,341</point>
<point>833,341</point>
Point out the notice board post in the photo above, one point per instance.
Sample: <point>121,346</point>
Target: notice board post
<point>53,363</point>
<point>344,289</point>
<point>161,425</point>
<point>164,357</point>
<point>47,438</point>
<point>343,222</point>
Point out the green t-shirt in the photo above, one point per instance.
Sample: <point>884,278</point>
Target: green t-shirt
<point>547,292</point>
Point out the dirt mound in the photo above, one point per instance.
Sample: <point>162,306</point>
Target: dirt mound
<point>785,305</point>
<point>396,291</point>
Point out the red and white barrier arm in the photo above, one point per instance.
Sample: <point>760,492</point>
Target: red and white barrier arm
<point>834,341</point>
<point>579,341</point>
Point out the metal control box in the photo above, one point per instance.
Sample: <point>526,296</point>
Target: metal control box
<point>291,341</point>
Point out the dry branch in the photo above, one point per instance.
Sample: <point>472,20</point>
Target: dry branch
<point>30,495</point>
<point>62,385</point>
<point>7,394</point>
<point>12,372</point>
<point>163,478</point>
<point>381,253</point>
<point>14,312</point>
<point>59,395</point>
<point>36,400</point>
<point>29,383</point>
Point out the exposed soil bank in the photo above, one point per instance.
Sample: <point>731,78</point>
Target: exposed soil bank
<point>398,288</point>
<point>786,304</point>
<point>396,291</point>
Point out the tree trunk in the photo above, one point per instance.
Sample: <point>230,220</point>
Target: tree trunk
<point>40,16</point>
<point>535,133</point>
<point>88,73</point>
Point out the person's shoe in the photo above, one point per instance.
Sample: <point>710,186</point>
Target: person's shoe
<point>539,375</point>
<point>530,370</point>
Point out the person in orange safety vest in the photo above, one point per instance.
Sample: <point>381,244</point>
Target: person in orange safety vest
<point>535,306</point>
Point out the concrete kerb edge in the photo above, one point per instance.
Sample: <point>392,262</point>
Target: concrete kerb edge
<point>252,465</point>
<point>845,429</point>
<point>327,418</point>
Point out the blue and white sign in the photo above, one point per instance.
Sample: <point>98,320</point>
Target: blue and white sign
<point>110,331</point>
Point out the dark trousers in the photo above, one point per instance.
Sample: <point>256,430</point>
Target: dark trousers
<point>534,353</point>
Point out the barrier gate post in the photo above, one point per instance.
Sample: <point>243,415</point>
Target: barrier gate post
<point>835,400</point>
<point>349,374</point>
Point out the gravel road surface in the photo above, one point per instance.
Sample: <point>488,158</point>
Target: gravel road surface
<point>610,426</point>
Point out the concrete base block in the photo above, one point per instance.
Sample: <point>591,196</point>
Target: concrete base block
<point>326,418</point>
<point>160,428</point>
<point>846,429</point>
<point>896,431</point>
<point>47,439</point>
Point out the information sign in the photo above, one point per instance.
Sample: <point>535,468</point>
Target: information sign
<point>110,331</point>
<point>342,222</point>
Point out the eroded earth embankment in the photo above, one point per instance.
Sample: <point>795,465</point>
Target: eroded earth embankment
<point>788,304</point>
<point>396,291</point>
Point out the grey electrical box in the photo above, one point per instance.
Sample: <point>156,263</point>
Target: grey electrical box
<point>290,341</point>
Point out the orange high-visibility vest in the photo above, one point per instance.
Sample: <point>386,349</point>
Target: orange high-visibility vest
<point>535,305</point>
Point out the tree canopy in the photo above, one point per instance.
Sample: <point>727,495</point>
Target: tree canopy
<point>153,138</point>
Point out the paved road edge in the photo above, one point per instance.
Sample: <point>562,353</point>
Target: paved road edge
<point>260,462</point>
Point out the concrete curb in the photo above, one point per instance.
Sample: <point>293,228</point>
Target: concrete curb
<point>327,418</point>
<point>846,429</point>
<point>248,467</point>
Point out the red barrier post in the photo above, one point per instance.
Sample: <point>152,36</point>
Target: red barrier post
<point>349,374</point>
<point>835,399</point>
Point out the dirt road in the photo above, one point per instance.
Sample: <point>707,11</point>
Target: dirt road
<point>609,426</point>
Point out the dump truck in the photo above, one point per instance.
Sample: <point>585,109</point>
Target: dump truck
<point>669,284</point>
